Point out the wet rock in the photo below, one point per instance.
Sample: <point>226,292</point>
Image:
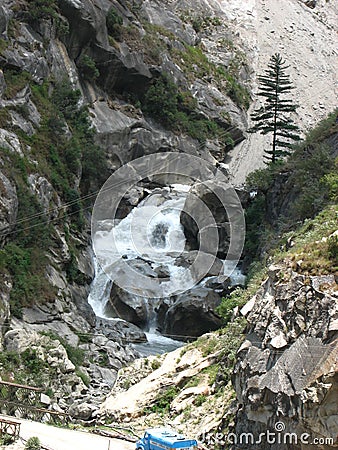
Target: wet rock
<point>208,211</point>
<point>120,330</point>
<point>192,314</point>
<point>128,306</point>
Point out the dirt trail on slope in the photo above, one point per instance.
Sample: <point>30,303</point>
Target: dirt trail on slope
<point>307,39</point>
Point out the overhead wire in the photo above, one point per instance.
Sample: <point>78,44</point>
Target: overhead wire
<point>64,206</point>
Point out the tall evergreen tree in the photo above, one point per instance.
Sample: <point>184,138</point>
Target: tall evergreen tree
<point>274,116</point>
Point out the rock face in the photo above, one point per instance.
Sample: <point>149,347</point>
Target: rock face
<point>8,206</point>
<point>286,369</point>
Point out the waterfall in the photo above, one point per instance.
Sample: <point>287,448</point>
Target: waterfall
<point>99,290</point>
<point>152,236</point>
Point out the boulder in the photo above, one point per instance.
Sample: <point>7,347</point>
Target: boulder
<point>192,314</point>
<point>120,330</point>
<point>81,410</point>
<point>287,366</point>
<point>45,194</point>
<point>10,141</point>
<point>209,211</point>
<point>127,306</point>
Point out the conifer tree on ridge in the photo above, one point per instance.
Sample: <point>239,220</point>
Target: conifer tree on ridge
<point>274,115</point>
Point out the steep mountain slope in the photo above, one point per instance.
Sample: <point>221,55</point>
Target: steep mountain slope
<point>305,34</point>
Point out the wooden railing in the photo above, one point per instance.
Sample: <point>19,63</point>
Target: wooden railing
<point>24,401</point>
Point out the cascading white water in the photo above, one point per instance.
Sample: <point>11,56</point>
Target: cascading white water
<point>153,232</point>
<point>99,290</point>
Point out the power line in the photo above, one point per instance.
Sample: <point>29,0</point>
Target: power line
<point>85,197</point>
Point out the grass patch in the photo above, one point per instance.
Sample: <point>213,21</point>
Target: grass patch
<point>161,404</point>
<point>15,82</point>
<point>315,249</point>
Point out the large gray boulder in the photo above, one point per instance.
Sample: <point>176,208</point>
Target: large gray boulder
<point>119,330</point>
<point>211,210</point>
<point>192,314</point>
<point>127,306</point>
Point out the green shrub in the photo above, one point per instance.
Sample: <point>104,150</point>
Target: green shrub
<point>32,362</point>
<point>42,9</point>
<point>225,309</point>
<point>332,243</point>
<point>177,109</point>
<point>330,182</point>
<point>15,81</point>
<point>6,439</point>
<point>83,376</point>
<point>199,400</point>
<point>155,364</point>
<point>162,403</point>
<point>114,22</point>
<point>87,68</point>
<point>33,443</point>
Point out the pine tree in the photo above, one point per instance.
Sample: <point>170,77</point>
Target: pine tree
<point>274,116</point>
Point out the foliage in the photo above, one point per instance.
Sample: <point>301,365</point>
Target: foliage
<point>315,247</point>
<point>42,9</point>
<point>85,378</point>
<point>199,400</point>
<point>33,443</point>
<point>161,404</point>
<point>3,45</point>
<point>155,364</point>
<point>25,265</point>
<point>176,109</point>
<point>274,116</point>
<point>6,439</point>
<point>27,367</point>
<point>232,336</point>
<point>114,22</point>
<point>33,364</point>
<point>330,181</point>
<point>225,309</point>
<point>75,354</point>
<point>87,68</point>
<point>195,64</point>
<point>15,81</point>
<point>333,248</point>
<point>305,184</point>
